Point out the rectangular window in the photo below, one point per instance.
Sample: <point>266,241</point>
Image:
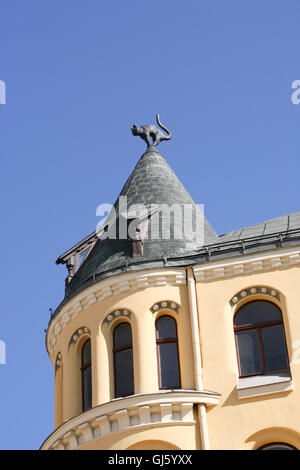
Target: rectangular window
<point>124,373</point>
<point>87,388</point>
<point>168,365</point>
<point>274,347</point>
<point>249,353</point>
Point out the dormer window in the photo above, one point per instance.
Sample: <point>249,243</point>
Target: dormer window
<point>82,255</point>
<point>75,261</point>
<point>137,235</point>
<point>74,257</point>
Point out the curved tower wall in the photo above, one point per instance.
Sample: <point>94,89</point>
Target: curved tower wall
<point>140,299</point>
<point>201,289</point>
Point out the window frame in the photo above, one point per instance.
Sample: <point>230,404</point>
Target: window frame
<point>167,341</point>
<point>116,350</point>
<point>257,327</point>
<point>83,368</point>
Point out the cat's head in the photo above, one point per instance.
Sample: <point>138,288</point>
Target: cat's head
<point>134,129</point>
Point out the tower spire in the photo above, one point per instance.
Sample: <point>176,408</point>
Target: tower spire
<point>153,186</point>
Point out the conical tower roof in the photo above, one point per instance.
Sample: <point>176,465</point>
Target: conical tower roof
<point>151,183</point>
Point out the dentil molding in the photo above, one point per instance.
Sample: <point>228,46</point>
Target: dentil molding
<point>247,264</point>
<point>137,412</point>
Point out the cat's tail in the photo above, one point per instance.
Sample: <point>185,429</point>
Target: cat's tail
<point>166,137</point>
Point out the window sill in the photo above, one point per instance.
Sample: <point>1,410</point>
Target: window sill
<point>259,385</point>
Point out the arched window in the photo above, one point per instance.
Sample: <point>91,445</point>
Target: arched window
<point>123,362</point>
<point>167,353</point>
<point>86,375</point>
<point>260,339</point>
<point>277,446</point>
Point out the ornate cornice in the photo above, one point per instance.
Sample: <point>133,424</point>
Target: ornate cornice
<point>108,288</point>
<point>208,272</point>
<point>247,264</point>
<point>136,412</point>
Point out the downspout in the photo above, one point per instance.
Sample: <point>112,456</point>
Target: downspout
<point>197,357</point>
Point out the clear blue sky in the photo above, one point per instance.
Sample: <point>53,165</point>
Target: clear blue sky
<point>78,75</point>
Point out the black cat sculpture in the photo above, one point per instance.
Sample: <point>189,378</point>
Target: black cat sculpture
<point>145,132</point>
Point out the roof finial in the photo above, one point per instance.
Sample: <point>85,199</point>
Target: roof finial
<point>145,132</point>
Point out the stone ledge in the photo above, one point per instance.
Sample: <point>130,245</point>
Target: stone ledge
<point>259,385</point>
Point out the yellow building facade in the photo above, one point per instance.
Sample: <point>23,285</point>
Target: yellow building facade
<point>167,344</point>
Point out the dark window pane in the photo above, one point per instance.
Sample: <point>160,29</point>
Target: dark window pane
<point>124,373</point>
<point>166,328</point>
<point>122,335</point>
<point>87,388</point>
<point>277,447</point>
<point>248,352</point>
<point>86,353</point>
<point>168,364</point>
<point>257,312</point>
<point>274,348</point>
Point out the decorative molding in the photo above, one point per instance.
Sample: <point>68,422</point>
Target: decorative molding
<point>136,412</point>
<point>134,281</point>
<point>58,361</point>
<point>247,264</point>
<point>110,287</point>
<point>168,304</point>
<point>251,291</point>
<point>84,330</point>
<point>116,314</point>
